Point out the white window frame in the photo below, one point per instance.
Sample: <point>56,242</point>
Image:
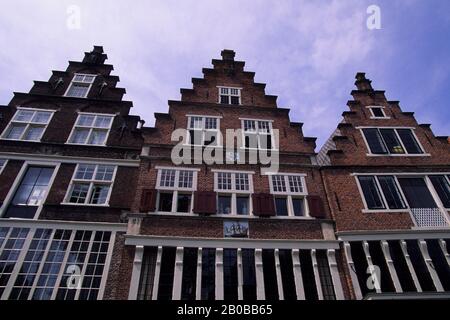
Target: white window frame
<point>176,189</point>
<point>372,115</point>
<point>20,176</point>
<point>4,165</point>
<point>235,193</point>
<point>258,133</point>
<point>290,195</point>
<point>28,124</point>
<point>83,82</point>
<point>230,95</point>
<point>91,129</point>
<point>396,175</point>
<point>406,154</point>
<point>91,183</point>
<point>204,130</point>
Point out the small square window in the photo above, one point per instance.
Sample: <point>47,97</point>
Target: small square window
<point>377,112</point>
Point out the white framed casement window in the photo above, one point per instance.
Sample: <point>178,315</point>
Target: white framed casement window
<point>203,130</point>
<point>391,141</point>
<point>290,192</point>
<point>377,112</point>
<point>258,134</point>
<point>3,163</point>
<point>229,95</point>
<point>80,85</point>
<point>233,189</point>
<point>91,129</point>
<point>28,124</point>
<point>91,185</point>
<point>176,188</point>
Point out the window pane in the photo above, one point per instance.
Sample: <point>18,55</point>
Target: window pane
<point>242,205</point>
<point>85,172</point>
<point>264,126</point>
<point>224,205</point>
<point>371,193</point>
<point>224,99</point>
<point>242,181</point>
<point>249,125</point>
<point>99,194</point>
<point>278,183</point>
<point>230,274</point>
<point>165,202</point>
<point>409,141</point>
<point>185,179</point>
<point>79,135</point>
<point>208,274</point>
<point>210,123</point>
<point>167,178</point>
<point>24,115</point>
<point>33,133</point>
<point>102,122</point>
<point>85,120</point>
<point>416,192</point>
<point>391,141</point>
<point>97,137</point>
<point>41,117</point>
<point>234,100</point>
<point>377,112</point>
<point>104,173</point>
<point>15,131</point>
<point>189,277</point>
<point>295,184</point>
<point>269,274</point>
<point>391,192</point>
<point>224,180</point>
<point>184,203</point>
<point>374,141</point>
<point>79,193</point>
<point>78,90</point>
<point>281,206</point>
<point>326,281</point>
<point>442,188</point>
<point>166,275</point>
<point>2,163</point>
<point>298,207</point>
<point>249,276</point>
<point>287,274</point>
<point>33,187</point>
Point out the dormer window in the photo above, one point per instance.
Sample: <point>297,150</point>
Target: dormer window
<point>377,112</point>
<point>80,85</point>
<point>229,95</point>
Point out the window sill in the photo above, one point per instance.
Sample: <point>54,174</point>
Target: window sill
<point>85,144</point>
<point>398,155</point>
<point>226,216</point>
<point>85,205</point>
<point>21,140</point>
<point>380,118</point>
<point>385,210</point>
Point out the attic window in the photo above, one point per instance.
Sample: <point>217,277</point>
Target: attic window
<point>377,112</point>
<point>229,95</point>
<point>80,85</point>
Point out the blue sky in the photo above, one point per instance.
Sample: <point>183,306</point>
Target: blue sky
<point>307,52</point>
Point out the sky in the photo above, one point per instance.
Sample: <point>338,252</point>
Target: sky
<point>307,52</point>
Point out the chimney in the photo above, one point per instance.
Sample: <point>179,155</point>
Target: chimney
<point>228,55</point>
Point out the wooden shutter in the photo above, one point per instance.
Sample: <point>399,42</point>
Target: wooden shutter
<point>316,208</point>
<point>205,202</point>
<point>148,200</point>
<point>263,205</point>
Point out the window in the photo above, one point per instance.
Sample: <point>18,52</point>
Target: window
<point>371,192</point>
<point>28,125</point>
<point>391,141</point>
<point>203,131</point>
<point>31,192</point>
<point>442,186</point>
<point>176,188</point>
<point>326,282</point>
<point>230,274</point>
<point>248,274</point>
<point>377,112</point>
<point>91,129</point>
<point>91,184</point>
<point>2,164</point>
<point>390,196</point>
<point>290,194</point>
<point>189,276</point>
<point>391,192</point>
<point>208,278</point>
<point>287,274</point>
<point>166,276</point>
<point>234,189</point>
<point>80,85</point>
<point>257,134</point>
<point>229,95</point>
<point>269,274</point>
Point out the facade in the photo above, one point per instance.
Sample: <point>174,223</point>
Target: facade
<point>94,205</point>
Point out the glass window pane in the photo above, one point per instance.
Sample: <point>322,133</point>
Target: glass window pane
<point>230,274</point>
<point>165,202</point>
<point>242,182</point>
<point>249,277</point>
<point>33,133</point>
<point>184,203</point>
<point>167,178</point>
<point>210,123</point>
<point>377,112</point>
<point>24,115</point>
<point>281,206</point>
<point>224,99</point>
<point>374,141</point>
<point>409,141</point>
<point>97,137</point>
<point>442,188</point>
<point>99,194</point>
<point>102,122</point>
<point>371,193</point>
<point>78,90</point>
<point>295,184</point>
<point>278,183</point>
<point>41,117</point>
<point>79,135</point>
<point>242,204</point>
<point>15,131</point>
<point>85,171</point>
<point>189,277</point>
<point>208,273</point>
<point>33,187</point>
<point>391,141</point>
<point>298,207</point>
<point>104,173</point>
<point>85,120</point>
<point>224,181</point>
<point>391,192</point>
<point>79,193</point>
<point>224,205</point>
<point>234,100</point>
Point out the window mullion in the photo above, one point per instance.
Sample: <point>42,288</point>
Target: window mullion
<point>174,201</point>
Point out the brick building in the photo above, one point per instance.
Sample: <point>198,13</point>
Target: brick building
<point>96,206</point>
